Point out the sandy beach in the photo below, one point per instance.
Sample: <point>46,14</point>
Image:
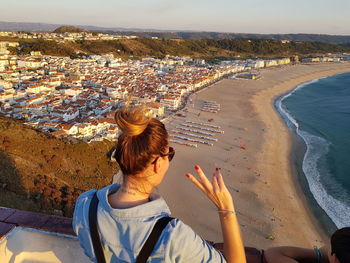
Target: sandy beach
<point>260,177</point>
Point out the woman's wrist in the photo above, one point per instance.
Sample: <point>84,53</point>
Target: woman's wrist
<point>321,254</point>
<point>223,213</point>
<point>318,254</point>
<point>226,213</point>
<point>226,208</point>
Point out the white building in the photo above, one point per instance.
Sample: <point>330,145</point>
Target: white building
<point>271,63</point>
<point>156,109</point>
<point>74,91</point>
<point>37,88</point>
<point>170,102</point>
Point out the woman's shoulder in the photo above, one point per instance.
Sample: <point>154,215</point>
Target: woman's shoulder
<point>86,195</point>
<point>82,205</point>
<point>186,245</point>
<point>181,232</point>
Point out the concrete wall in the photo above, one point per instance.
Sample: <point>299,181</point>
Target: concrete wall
<point>24,245</point>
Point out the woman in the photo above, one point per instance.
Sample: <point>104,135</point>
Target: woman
<point>128,212</point>
<point>338,252</point>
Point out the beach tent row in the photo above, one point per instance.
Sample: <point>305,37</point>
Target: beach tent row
<point>210,106</point>
<point>192,132</point>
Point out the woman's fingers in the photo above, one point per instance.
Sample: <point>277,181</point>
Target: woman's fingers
<point>205,182</point>
<point>220,181</point>
<point>204,189</point>
<point>215,189</point>
<point>215,184</point>
<point>196,182</point>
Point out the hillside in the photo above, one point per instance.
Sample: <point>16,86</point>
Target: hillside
<point>70,29</point>
<point>195,35</point>
<point>41,173</point>
<point>44,27</point>
<point>209,48</point>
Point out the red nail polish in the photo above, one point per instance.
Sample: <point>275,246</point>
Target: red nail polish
<point>187,175</point>
<point>196,167</point>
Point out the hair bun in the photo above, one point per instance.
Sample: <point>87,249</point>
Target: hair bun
<point>132,121</point>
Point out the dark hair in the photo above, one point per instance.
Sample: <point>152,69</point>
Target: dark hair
<point>143,138</point>
<point>340,242</point>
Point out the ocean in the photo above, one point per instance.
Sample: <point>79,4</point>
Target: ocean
<point>319,113</point>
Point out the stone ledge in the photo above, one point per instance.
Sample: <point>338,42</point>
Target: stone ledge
<point>5,229</point>
<point>11,218</point>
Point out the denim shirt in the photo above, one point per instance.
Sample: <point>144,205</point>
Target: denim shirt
<point>124,231</point>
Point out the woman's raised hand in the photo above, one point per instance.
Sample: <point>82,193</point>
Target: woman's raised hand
<point>215,190</point>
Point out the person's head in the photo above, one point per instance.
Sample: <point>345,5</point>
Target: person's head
<point>340,246</point>
<point>142,150</point>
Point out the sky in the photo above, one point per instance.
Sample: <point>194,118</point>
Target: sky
<point>236,16</point>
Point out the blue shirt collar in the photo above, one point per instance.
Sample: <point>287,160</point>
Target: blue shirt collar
<point>154,208</point>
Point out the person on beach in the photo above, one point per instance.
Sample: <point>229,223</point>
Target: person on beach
<point>338,252</point>
<point>128,212</point>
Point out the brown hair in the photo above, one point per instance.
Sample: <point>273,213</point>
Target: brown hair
<point>142,139</point>
<point>340,243</point>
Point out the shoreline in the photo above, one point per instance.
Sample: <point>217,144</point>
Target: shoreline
<point>268,201</point>
<point>296,154</point>
<point>325,217</point>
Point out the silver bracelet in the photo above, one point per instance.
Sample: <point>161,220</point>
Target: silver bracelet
<point>227,211</point>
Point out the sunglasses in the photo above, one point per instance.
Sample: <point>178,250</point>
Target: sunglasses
<point>170,155</point>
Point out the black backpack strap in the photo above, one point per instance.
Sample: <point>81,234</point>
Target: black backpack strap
<point>152,239</point>
<point>95,237</point>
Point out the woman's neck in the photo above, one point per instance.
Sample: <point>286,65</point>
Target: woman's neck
<point>128,196</point>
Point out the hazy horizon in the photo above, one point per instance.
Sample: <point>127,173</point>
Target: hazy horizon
<point>255,16</point>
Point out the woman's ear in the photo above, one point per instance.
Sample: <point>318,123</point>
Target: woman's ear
<point>156,165</point>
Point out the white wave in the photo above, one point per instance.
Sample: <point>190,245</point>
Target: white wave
<point>317,147</point>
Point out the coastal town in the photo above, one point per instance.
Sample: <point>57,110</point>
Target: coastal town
<point>66,36</point>
<point>77,98</point>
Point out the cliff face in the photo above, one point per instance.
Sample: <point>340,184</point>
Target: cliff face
<point>47,172</point>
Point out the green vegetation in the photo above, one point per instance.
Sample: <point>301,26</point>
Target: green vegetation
<point>70,29</point>
<point>208,48</point>
<point>49,177</point>
<point>333,39</point>
<point>267,47</point>
<point>48,47</point>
